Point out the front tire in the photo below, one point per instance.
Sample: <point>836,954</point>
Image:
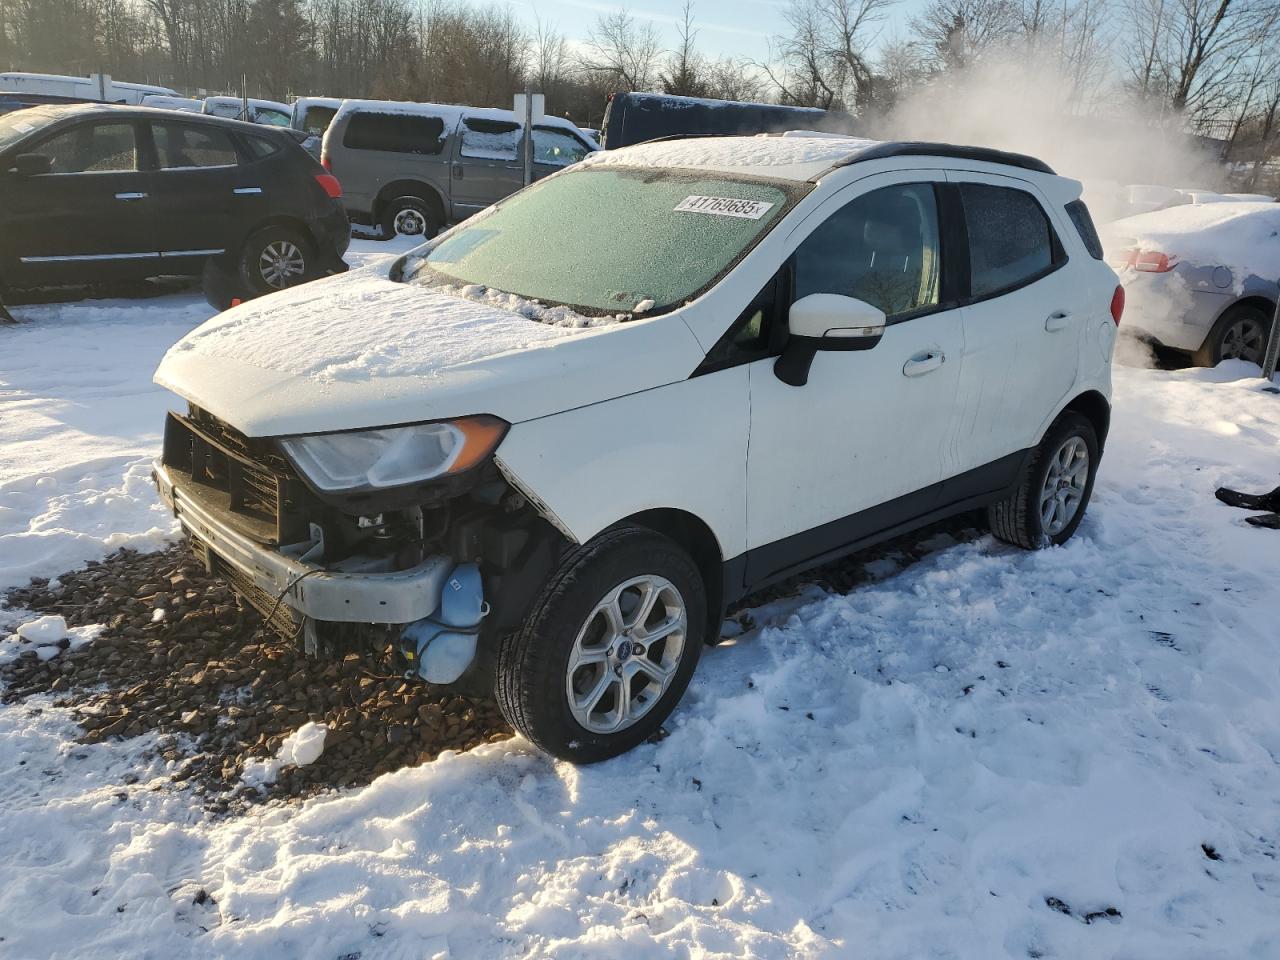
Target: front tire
<point>608,649</point>
<point>1054,488</point>
<point>1239,334</point>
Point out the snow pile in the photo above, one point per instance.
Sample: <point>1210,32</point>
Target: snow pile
<point>301,748</point>
<point>1244,237</point>
<point>79,424</point>
<point>361,327</point>
<point>560,316</point>
<point>48,636</point>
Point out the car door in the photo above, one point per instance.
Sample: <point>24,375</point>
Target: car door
<point>90,218</point>
<point>1022,325</point>
<point>196,189</point>
<point>859,448</point>
<point>489,165</point>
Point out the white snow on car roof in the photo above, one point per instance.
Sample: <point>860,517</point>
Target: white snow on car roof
<point>448,112</point>
<point>1243,236</point>
<point>786,157</point>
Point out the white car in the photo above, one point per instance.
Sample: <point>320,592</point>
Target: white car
<point>545,452</point>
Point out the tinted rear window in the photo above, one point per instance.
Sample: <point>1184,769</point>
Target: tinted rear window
<point>1079,215</point>
<point>395,133</point>
<point>260,147</point>
<point>1010,240</point>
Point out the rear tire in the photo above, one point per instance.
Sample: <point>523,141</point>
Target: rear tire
<point>1240,334</point>
<point>409,216</point>
<point>561,676</point>
<point>1054,488</point>
<point>275,258</point>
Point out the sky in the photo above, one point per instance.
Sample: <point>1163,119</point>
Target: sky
<point>736,28</point>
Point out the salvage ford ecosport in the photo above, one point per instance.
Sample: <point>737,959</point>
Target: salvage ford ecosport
<point>545,452</point>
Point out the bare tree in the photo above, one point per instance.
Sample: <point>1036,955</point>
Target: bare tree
<point>683,76</point>
<point>1192,53</point>
<point>623,51</point>
<point>823,59</point>
<point>957,33</point>
<point>729,79</point>
<point>552,64</point>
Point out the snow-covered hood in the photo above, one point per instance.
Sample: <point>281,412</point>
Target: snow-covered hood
<point>360,350</point>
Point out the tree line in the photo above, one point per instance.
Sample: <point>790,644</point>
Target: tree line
<point>1211,64</point>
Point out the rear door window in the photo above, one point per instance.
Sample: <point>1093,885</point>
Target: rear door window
<point>395,133</point>
<point>490,139</point>
<point>881,248</point>
<point>1011,242</point>
<point>185,146</point>
<point>92,148</point>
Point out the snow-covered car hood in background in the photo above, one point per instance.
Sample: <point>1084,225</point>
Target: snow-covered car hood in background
<point>360,350</point>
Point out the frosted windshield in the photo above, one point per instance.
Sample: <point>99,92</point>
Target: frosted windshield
<point>609,241</point>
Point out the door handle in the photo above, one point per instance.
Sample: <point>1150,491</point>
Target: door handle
<point>923,363</point>
<point>1057,320</point>
<point>131,196</point>
<point>244,191</point>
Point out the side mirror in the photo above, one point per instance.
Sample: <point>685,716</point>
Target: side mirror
<point>826,321</point>
<point>31,165</point>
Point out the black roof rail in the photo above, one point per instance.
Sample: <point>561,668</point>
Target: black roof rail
<point>912,148</point>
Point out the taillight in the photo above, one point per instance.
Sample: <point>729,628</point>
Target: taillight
<point>329,183</point>
<point>1149,261</point>
<point>326,162</point>
<point>1117,304</point>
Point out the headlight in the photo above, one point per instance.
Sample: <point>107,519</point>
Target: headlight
<point>394,456</point>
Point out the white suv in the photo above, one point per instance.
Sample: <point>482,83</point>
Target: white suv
<point>544,453</point>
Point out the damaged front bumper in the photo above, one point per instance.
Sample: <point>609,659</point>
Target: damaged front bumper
<point>355,595</point>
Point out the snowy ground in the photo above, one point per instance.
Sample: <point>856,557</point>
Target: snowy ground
<point>978,755</point>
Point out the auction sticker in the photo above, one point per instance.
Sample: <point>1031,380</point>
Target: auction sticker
<point>725,207</point>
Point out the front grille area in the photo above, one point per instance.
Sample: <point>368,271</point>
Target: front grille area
<point>245,480</point>
<point>280,617</point>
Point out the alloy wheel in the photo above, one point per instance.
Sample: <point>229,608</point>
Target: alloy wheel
<point>626,654</point>
<point>281,264</point>
<point>1244,340</point>
<point>1064,486</point>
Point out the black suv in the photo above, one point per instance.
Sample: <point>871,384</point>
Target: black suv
<point>97,193</point>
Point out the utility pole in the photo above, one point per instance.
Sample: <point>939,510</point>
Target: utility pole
<point>528,135</point>
<point>1272,353</point>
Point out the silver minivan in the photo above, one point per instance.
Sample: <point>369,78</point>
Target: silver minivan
<point>410,168</point>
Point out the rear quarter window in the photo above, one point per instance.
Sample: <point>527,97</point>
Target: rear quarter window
<point>395,133</point>
<point>1079,215</point>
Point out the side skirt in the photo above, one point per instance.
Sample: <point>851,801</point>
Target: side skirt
<point>784,558</point>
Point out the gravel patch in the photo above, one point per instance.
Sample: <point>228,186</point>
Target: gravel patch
<point>220,691</point>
